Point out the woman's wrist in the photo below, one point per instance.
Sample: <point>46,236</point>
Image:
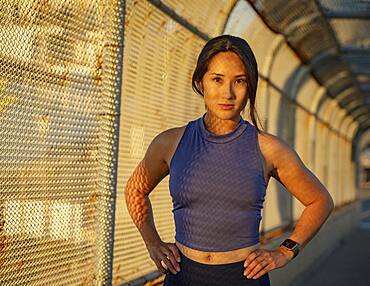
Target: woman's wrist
<point>286,252</point>
<point>149,234</point>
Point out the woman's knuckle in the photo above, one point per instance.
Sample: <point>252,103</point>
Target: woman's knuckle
<point>259,274</point>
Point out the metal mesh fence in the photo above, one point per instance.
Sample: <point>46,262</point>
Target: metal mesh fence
<point>59,89</point>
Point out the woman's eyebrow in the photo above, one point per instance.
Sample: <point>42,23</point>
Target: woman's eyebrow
<point>219,74</point>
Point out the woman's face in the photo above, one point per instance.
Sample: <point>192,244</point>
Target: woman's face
<point>225,82</point>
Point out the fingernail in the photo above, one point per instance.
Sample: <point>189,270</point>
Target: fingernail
<point>178,259</point>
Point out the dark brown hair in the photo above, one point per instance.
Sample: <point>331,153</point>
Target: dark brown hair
<point>239,46</point>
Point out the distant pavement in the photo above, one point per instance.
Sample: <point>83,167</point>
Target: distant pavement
<point>349,265</point>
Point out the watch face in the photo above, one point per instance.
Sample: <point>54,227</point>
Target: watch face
<point>289,243</point>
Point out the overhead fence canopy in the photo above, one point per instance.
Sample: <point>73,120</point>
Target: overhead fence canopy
<point>340,59</point>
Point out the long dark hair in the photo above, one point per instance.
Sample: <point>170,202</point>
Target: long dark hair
<point>239,46</point>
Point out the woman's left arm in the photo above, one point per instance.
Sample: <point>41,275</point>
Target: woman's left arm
<point>290,171</point>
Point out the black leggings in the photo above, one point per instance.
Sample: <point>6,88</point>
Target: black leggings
<point>193,273</point>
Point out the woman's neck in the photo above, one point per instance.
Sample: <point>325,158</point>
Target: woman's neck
<point>220,126</point>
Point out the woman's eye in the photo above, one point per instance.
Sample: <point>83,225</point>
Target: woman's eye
<point>216,79</point>
<point>241,81</point>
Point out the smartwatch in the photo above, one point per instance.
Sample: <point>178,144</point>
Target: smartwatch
<point>291,245</point>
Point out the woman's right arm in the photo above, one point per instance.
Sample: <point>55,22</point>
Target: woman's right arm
<point>146,176</point>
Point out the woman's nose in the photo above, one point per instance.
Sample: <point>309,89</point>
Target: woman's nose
<point>228,92</point>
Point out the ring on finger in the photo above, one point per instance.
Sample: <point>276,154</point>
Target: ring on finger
<point>163,264</point>
<point>166,257</point>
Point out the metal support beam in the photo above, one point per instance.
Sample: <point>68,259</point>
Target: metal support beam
<point>176,17</point>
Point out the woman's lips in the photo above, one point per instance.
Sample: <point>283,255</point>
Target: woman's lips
<point>226,106</point>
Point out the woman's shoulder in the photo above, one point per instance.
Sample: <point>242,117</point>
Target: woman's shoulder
<point>270,140</point>
<point>169,139</point>
<point>171,134</point>
<point>274,148</point>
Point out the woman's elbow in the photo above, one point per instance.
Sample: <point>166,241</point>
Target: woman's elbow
<point>329,202</point>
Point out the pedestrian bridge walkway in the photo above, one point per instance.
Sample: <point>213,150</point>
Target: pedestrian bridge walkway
<point>349,263</point>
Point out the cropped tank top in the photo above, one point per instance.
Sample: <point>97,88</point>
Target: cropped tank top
<point>218,187</point>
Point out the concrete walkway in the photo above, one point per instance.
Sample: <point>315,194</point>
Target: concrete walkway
<point>348,265</point>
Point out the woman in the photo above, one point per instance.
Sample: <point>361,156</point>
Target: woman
<point>219,166</point>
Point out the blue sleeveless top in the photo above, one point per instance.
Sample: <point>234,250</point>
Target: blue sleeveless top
<point>217,187</point>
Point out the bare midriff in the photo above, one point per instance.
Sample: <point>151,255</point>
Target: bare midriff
<point>206,257</point>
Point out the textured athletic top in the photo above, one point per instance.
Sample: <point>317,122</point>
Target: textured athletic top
<point>217,187</point>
